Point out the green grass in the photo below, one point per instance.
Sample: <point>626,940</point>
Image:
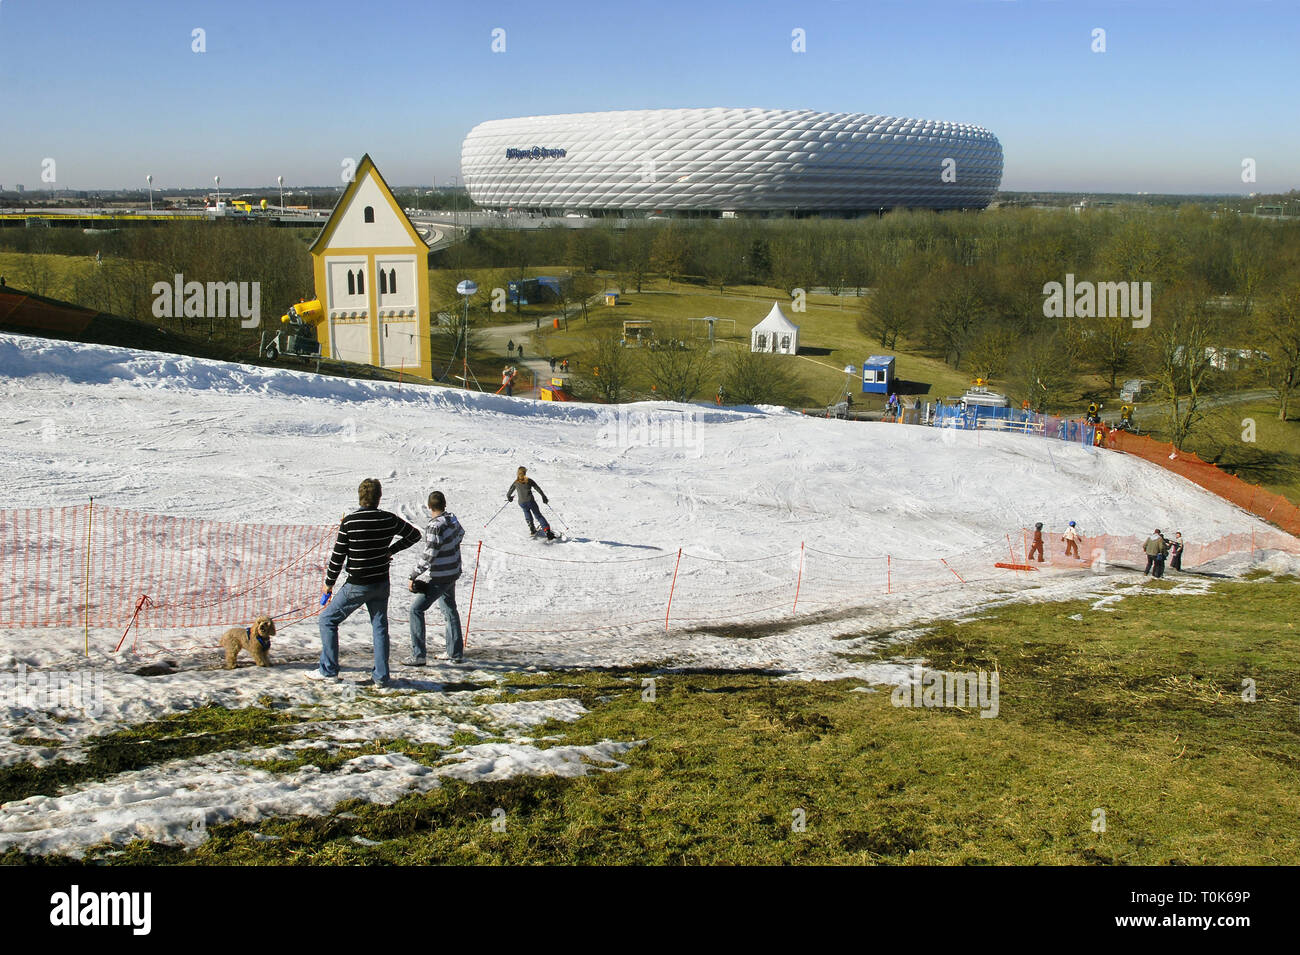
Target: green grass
<point>1272,460</point>
<point>829,337</point>
<point>1137,712</point>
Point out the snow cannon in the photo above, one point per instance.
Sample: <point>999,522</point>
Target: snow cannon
<point>298,336</point>
<point>306,313</point>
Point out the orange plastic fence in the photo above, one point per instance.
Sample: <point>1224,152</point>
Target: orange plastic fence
<point>1271,507</point>
<point>197,573</point>
<point>63,567</point>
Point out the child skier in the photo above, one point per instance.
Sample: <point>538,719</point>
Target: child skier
<point>1071,539</point>
<point>1037,547</point>
<point>525,486</point>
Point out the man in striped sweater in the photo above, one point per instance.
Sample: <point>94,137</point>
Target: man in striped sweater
<point>441,559</point>
<point>365,545</point>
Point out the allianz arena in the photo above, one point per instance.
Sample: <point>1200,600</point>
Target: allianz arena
<point>710,162</point>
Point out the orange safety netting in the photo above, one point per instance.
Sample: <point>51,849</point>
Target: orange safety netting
<point>1271,507</point>
<point>91,565</point>
<point>109,567</point>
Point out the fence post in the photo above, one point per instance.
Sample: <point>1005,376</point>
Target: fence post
<point>472,587</point>
<point>798,582</point>
<point>953,572</point>
<point>672,589</point>
<point>90,520</point>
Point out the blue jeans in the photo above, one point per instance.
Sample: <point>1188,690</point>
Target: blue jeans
<point>443,593</point>
<point>530,509</point>
<point>345,600</point>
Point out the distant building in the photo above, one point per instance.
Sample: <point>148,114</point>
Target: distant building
<point>372,279</point>
<point>720,162</point>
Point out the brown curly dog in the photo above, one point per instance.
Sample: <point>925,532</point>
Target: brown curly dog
<point>255,639</point>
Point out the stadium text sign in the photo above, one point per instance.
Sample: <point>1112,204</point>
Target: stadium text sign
<point>535,152</point>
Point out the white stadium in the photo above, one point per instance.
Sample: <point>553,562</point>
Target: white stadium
<point>723,162</point>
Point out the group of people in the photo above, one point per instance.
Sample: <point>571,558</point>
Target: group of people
<point>562,364</point>
<point>1070,538</point>
<point>368,539</point>
<point>1158,548</point>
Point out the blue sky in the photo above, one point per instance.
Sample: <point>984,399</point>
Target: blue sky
<point>113,90</point>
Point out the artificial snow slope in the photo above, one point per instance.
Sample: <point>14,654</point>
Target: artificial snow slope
<point>209,439</point>
<point>738,491</point>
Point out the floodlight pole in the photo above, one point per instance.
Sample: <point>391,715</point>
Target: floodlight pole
<point>464,345</point>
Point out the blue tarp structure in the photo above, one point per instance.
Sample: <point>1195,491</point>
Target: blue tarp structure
<point>1014,419</point>
<point>544,288</point>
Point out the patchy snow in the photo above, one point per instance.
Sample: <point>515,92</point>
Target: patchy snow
<point>764,503</point>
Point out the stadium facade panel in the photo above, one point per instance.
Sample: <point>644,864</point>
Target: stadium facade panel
<point>716,160</point>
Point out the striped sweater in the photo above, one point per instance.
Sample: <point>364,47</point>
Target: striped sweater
<point>365,543</point>
<point>441,557</point>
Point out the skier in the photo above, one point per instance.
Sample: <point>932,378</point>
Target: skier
<point>510,348</point>
<point>1071,539</point>
<point>1037,546</point>
<point>1176,552</point>
<point>552,364</point>
<point>525,486</point>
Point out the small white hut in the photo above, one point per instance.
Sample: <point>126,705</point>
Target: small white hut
<point>775,334</point>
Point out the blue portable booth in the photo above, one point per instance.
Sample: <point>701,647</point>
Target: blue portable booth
<point>878,374</point>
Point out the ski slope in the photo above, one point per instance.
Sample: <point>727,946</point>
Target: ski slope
<point>738,490</point>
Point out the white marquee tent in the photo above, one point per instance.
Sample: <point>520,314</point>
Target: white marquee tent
<point>776,334</point>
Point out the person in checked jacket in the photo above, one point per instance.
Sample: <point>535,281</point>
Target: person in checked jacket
<point>441,559</point>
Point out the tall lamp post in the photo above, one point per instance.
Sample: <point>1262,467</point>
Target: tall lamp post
<point>217,180</point>
<point>465,288</point>
<point>280,180</point>
<point>149,180</point>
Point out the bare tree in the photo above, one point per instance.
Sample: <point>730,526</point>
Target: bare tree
<point>1282,335</point>
<point>611,367</point>
<point>1111,345</point>
<point>670,252</point>
<point>678,373</point>
<point>1043,372</point>
<point>960,305</point>
<point>755,378</point>
<point>990,353</point>
<point>1179,357</point>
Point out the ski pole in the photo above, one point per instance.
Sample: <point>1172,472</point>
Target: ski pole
<point>557,514</point>
<point>497,514</point>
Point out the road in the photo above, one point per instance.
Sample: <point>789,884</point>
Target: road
<point>1144,410</point>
